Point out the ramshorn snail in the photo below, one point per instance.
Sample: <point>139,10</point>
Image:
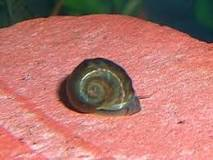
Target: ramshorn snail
<point>101,86</point>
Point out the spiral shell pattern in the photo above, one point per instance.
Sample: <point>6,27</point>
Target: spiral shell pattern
<point>101,86</point>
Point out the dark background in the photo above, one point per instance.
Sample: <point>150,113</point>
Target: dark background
<point>194,17</point>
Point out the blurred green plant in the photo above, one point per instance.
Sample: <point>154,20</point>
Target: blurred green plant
<point>127,7</point>
<point>13,11</point>
<point>204,12</point>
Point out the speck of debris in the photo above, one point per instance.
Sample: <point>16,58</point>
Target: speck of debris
<point>26,77</point>
<point>21,140</point>
<point>181,122</point>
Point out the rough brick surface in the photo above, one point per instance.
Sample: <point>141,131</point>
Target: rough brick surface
<point>176,122</point>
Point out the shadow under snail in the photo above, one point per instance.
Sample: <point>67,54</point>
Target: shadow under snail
<point>101,86</point>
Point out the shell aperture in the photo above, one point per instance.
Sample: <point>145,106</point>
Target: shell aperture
<point>101,86</point>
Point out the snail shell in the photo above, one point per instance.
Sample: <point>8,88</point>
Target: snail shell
<point>101,86</point>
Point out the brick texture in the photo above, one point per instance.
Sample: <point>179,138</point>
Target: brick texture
<point>176,122</point>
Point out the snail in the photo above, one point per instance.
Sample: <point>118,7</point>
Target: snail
<point>101,86</point>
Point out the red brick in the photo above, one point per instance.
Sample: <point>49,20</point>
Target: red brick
<point>175,122</point>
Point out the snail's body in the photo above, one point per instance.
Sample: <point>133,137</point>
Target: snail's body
<point>101,86</point>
